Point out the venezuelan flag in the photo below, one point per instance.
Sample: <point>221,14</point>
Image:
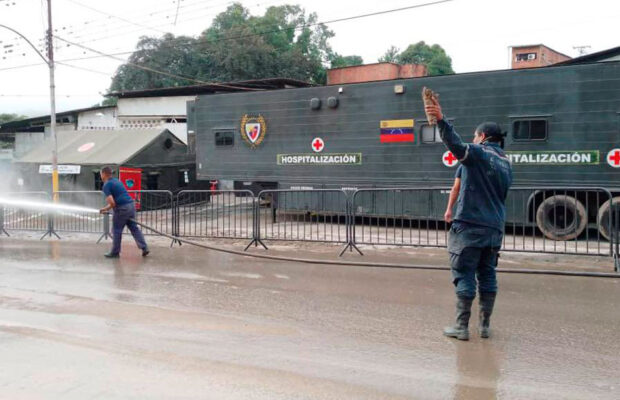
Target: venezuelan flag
<point>398,130</point>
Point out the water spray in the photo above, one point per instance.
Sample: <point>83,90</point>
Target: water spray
<point>45,206</point>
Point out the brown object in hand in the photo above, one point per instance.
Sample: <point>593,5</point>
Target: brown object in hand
<point>430,98</point>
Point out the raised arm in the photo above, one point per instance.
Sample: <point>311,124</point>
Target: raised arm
<point>450,138</point>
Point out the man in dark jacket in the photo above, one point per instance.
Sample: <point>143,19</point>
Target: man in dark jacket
<point>124,213</point>
<point>478,224</point>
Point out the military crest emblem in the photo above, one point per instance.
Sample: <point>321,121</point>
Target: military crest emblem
<point>253,129</point>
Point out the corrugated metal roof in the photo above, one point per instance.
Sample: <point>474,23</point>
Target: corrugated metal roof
<point>93,147</point>
<point>44,119</point>
<point>223,87</point>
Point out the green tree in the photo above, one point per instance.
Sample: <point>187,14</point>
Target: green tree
<point>338,61</point>
<point>434,57</point>
<point>174,55</point>
<point>390,55</point>
<point>284,42</point>
<point>4,118</point>
<point>108,101</point>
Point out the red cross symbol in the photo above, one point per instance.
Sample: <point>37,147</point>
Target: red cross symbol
<point>613,158</point>
<point>317,145</point>
<point>449,160</point>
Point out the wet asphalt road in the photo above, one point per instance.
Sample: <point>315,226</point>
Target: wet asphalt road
<point>188,323</point>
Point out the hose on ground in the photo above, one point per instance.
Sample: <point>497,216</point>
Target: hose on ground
<point>376,264</point>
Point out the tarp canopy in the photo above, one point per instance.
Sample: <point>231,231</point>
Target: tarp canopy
<point>93,147</point>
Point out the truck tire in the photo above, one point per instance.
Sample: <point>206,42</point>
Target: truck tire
<point>603,219</point>
<point>561,217</point>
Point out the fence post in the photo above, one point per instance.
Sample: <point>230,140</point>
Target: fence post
<point>106,228</point>
<point>174,209</point>
<point>256,240</point>
<point>50,227</point>
<point>349,220</point>
<point>2,230</point>
<point>615,232</point>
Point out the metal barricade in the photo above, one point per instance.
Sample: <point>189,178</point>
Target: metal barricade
<point>615,231</point>
<point>25,219</point>
<point>399,216</point>
<point>575,220</point>
<point>81,221</point>
<point>225,214</point>
<point>155,208</point>
<point>319,215</point>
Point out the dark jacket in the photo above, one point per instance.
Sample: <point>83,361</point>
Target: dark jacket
<point>486,177</point>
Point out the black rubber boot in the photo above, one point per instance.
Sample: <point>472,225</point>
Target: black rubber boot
<point>487,301</point>
<point>460,330</point>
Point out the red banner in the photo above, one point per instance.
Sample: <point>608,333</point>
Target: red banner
<point>132,180</point>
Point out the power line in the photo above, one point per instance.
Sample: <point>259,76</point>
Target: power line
<point>84,69</point>
<point>155,71</point>
<point>117,17</point>
<point>106,26</point>
<point>66,59</point>
<point>134,65</point>
<point>105,23</point>
<point>301,26</point>
<point>122,33</point>
<point>47,95</point>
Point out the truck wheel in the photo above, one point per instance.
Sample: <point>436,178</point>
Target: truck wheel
<point>561,217</point>
<point>603,218</point>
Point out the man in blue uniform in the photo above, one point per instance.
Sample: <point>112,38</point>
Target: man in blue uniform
<point>124,213</point>
<point>478,224</point>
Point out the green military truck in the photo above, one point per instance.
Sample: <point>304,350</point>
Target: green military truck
<point>563,125</point>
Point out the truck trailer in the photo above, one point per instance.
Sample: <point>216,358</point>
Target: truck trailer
<point>562,124</point>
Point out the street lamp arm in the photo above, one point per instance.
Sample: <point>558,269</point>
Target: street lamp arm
<point>27,41</point>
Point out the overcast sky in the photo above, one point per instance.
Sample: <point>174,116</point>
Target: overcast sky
<point>475,33</point>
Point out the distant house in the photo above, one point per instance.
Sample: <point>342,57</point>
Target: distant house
<point>539,55</point>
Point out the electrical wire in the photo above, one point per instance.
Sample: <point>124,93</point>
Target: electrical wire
<point>84,69</point>
<point>117,17</point>
<point>293,28</point>
<point>105,24</point>
<point>304,26</point>
<point>155,71</point>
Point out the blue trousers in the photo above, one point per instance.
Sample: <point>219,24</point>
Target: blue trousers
<point>473,258</point>
<point>123,216</point>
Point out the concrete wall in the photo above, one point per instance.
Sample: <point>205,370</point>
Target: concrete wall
<point>151,106</point>
<point>104,119</point>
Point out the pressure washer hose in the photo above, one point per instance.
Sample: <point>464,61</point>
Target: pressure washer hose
<point>375,264</point>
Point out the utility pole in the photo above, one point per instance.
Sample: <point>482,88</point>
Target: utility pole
<point>583,50</point>
<point>50,63</point>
